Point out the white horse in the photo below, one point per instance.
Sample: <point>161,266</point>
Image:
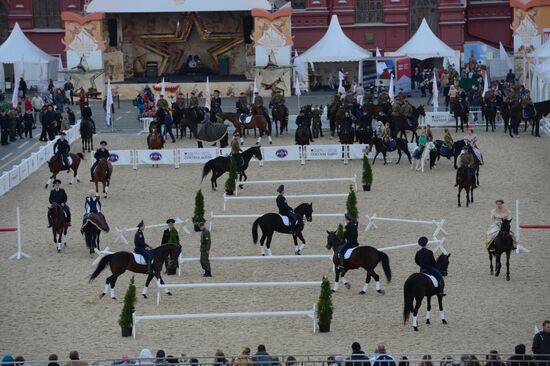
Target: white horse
<point>430,146</point>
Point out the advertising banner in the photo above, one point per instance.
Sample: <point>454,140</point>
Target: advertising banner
<point>281,153</point>
<point>14,177</point>
<point>155,156</point>
<point>24,169</point>
<point>403,76</point>
<point>33,163</point>
<point>4,183</point>
<point>356,151</point>
<point>196,156</point>
<point>324,152</point>
<point>120,157</point>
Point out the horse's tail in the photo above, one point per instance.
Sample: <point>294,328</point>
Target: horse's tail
<point>408,300</point>
<point>255,230</point>
<point>385,264</point>
<point>80,155</point>
<point>206,169</point>
<point>101,266</point>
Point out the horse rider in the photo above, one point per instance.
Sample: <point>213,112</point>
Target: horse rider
<point>350,238</point>
<point>448,140</point>
<point>59,196</point>
<point>429,134</point>
<point>242,105</point>
<point>215,105</point>
<point>511,97</point>
<point>499,213</point>
<point>386,134</point>
<point>62,148</point>
<point>349,100</point>
<point>259,103</point>
<point>383,97</point>
<point>278,100</point>
<point>407,110</point>
<point>466,161</point>
<point>162,103</point>
<point>425,259</point>
<point>101,153</point>
<point>170,236</point>
<point>528,106</point>
<point>398,108</point>
<point>236,150</point>
<point>193,101</point>
<point>303,122</point>
<point>316,119</point>
<point>140,247</point>
<point>92,203</point>
<point>285,209</point>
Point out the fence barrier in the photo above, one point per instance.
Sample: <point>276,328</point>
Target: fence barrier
<point>214,216</point>
<point>519,226</point>
<point>353,180</point>
<point>227,198</point>
<point>19,254</point>
<point>120,238</point>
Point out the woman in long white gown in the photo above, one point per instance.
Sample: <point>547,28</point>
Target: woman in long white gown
<point>471,140</point>
<point>497,215</point>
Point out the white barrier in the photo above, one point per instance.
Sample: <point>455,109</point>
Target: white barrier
<point>146,122</point>
<point>312,180</point>
<point>546,125</point>
<point>227,198</point>
<point>438,223</point>
<point>19,254</point>
<point>120,238</point>
<point>253,216</point>
<point>260,314</point>
<point>168,286</point>
<point>519,248</point>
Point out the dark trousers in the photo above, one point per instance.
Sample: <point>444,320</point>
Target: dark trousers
<point>44,133</point>
<point>147,255</point>
<point>168,131</point>
<point>205,262</point>
<point>28,130</point>
<point>4,136</point>
<point>342,250</point>
<point>437,274</point>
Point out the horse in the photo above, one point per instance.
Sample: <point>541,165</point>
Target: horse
<point>87,131</point>
<point>466,182</point>
<point>302,135</point>
<point>504,109</point>
<point>91,228</point>
<point>59,224</point>
<point>155,141</point>
<point>457,110</point>
<point>271,222</point>
<point>451,152</point>
<point>504,243</point>
<point>279,117</point>
<point>457,149</point>
<point>346,134</point>
<point>191,117</point>
<point>103,173</point>
<point>364,131</point>
<point>490,112</point>
<point>516,115</point>
<point>256,121</point>
<point>337,120</point>
<point>220,165</point>
<point>365,257</point>
<point>56,165</point>
<point>418,286</point>
<point>421,160</point>
<point>401,146</point>
<point>121,262</point>
<point>401,124</point>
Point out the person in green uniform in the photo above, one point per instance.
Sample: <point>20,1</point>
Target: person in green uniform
<point>171,236</point>
<point>205,250</point>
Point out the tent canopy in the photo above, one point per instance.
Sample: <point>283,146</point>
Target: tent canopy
<point>543,51</point>
<point>174,6</point>
<point>424,44</point>
<point>335,46</point>
<point>18,48</point>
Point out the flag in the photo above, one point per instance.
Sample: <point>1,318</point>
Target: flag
<point>18,74</point>
<point>504,56</point>
<point>109,104</point>
<point>536,330</point>
<point>163,88</point>
<point>60,76</point>
<point>435,94</point>
<point>300,68</point>
<point>390,92</point>
<point>207,94</point>
<point>254,91</point>
<point>297,90</point>
<point>380,66</point>
<point>485,85</point>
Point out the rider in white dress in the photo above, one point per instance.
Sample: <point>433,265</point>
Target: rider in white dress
<point>497,215</point>
<point>471,140</point>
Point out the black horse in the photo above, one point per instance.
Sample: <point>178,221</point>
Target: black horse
<point>490,114</point>
<point>87,131</point>
<point>92,225</point>
<point>401,146</point>
<point>400,125</point>
<point>504,243</point>
<point>467,182</point>
<point>364,131</point>
<point>271,222</point>
<point>220,165</point>
<point>459,112</point>
<point>121,262</point>
<point>455,153</point>
<point>365,257</point>
<point>418,286</point>
<point>504,109</point>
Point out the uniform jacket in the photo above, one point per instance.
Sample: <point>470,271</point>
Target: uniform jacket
<point>92,204</point>
<point>101,153</point>
<point>205,241</point>
<point>541,345</point>
<point>58,196</point>
<point>86,113</point>
<point>193,102</point>
<point>350,233</point>
<point>283,207</point>
<point>425,259</point>
<point>259,101</point>
<point>466,160</point>
<point>166,237</point>
<point>61,147</point>
<point>139,240</point>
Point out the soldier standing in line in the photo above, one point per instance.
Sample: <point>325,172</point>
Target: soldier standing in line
<point>205,250</point>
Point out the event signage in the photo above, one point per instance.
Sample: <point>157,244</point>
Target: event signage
<point>120,157</point>
<point>156,156</point>
<point>403,74</point>
<point>324,152</point>
<point>281,153</point>
<point>196,156</point>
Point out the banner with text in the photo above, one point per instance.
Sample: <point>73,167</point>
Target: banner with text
<point>197,156</point>
<point>403,77</point>
<point>324,152</point>
<point>120,157</point>
<point>281,153</point>
<point>155,156</point>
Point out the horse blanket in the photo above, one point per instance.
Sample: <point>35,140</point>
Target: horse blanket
<point>212,132</point>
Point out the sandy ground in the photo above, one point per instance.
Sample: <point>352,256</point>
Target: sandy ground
<point>48,306</point>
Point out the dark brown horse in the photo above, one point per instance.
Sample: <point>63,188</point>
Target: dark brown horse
<point>87,131</point>
<point>467,182</point>
<point>220,165</point>
<point>419,286</point>
<point>257,121</point>
<point>279,116</point>
<point>504,243</point>
<point>400,124</point>
<point>121,262</point>
<point>362,257</point>
<point>155,141</point>
<point>401,147</point>
<point>103,173</point>
<point>458,111</point>
<point>59,225</point>
<point>56,165</point>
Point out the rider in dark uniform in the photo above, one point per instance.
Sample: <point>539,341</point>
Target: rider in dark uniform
<point>170,236</point>
<point>259,103</point>
<point>193,101</point>
<point>425,259</point>
<point>215,105</point>
<point>242,104</point>
<point>100,153</point>
<point>142,248</point>
<point>285,209</point>
<point>350,238</point>
<point>277,99</point>
<point>92,203</point>
<point>62,148</point>
<point>58,195</point>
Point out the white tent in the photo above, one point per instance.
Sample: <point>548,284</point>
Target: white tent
<point>540,81</point>
<point>543,51</point>
<point>424,44</point>
<point>29,61</point>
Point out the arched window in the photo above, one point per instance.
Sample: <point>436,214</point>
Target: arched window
<point>368,11</point>
<point>46,14</point>
<point>420,9</point>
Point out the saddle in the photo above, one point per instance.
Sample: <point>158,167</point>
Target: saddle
<point>285,219</point>
<point>432,278</point>
<point>60,158</point>
<point>446,151</point>
<point>528,112</point>
<point>96,219</point>
<point>245,118</point>
<point>417,153</point>
<point>348,253</point>
<point>391,144</point>
<point>139,259</point>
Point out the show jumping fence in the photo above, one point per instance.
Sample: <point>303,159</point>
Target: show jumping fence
<point>214,216</point>
<point>438,223</point>
<point>312,313</point>
<point>227,198</point>
<point>120,238</point>
<point>352,180</point>
<point>19,254</point>
<point>519,226</point>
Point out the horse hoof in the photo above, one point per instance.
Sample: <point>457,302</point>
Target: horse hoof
<point>70,182</point>
<point>348,286</point>
<point>144,296</point>
<point>169,293</point>
<point>298,253</point>
<point>333,291</point>
<point>507,278</point>
<point>78,180</point>
<point>362,293</point>
<point>58,250</point>
<point>459,205</point>
<point>415,329</point>
<point>428,321</point>
<point>444,321</point>
<point>101,295</point>
<point>113,298</point>
<point>241,186</point>
<point>46,186</point>
<point>381,292</point>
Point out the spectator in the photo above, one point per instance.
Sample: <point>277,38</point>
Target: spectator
<point>172,360</point>
<point>541,344</point>
<point>426,361</point>
<point>37,104</point>
<point>404,361</point>
<point>146,357</point>
<point>291,361</point>
<point>383,359</point>
<point>219,358</point>
<point>243,359</point>
<point>358,356</point>
<point>124,361</point>
<point>493,359</point>
<point>510,77</point>
<point>59,100</point>
<point>521,357</point>
<point>469,360</point>
<point>160,358</point>
<point>23,88</point>
<point>447,361</point>
<point>7,360</point>
<point>75,360</point>
<point>19,361</point>
<point>52,360</point>
<point>262,358</point>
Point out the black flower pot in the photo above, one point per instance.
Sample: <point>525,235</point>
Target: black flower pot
<point>196,228</point>
<point>366,187</point>
<point>126,331</point>
<point>324,328</point>
<point>229,193</point>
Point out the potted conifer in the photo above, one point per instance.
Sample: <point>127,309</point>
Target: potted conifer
<point>126,320</point>
<point>325,307</point>
<point>367,173</point>
<point>230,182</point>
<point>340,233</point>
<point>351,204</point>
<point>198,215</point>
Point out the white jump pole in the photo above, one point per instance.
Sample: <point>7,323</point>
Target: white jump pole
<point>20,254</point>
<point>253,216</point>
<point>519,248</point>
<point>308,180</point>
<point>252,198</point>
<point>122,239</point>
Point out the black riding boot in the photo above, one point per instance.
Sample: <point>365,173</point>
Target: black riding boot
<point>149,267</point>
<point>341,260</point>
<point>441,288</point>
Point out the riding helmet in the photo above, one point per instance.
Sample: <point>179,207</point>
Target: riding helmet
<point>423,241</point>
<point>348,217</point>
<point>56,181</point>
<point>103,142</point>
<point>281,188</point>
<point>140,224</point>
<point>170,221</point>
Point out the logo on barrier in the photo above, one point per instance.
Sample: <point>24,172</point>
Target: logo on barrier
<point>281,153</point>
<point>155,156</point>
<point>113,158</point>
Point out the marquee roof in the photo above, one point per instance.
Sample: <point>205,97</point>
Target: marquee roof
<point>543,51</point>
<point>19,49</point>
<point>174,6</point>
